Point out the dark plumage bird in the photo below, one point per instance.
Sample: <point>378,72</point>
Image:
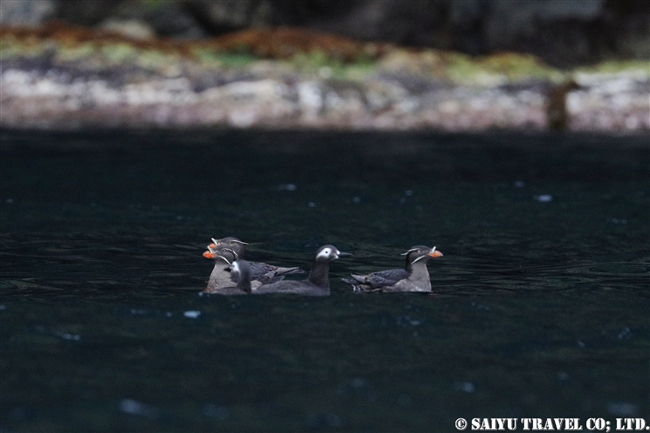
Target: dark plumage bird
<point>225,251</point>
<point>413,278</point>
<point>258,269</point>
<point>318,283</point>
<point>238,247</point>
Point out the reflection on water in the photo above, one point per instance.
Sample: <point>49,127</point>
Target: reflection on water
<point>539,305</point>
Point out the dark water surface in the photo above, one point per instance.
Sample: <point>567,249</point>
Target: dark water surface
<point>540,303</point>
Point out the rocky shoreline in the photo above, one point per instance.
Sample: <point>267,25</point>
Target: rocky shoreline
<point>65,78</point>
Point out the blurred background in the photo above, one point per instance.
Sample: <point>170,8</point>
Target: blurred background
<point>562,33</point>
<point>358,64</point>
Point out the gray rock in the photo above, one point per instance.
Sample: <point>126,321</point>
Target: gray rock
<point>229,15</point>
<point>561,32</point>
<point>166,18</point>
<point>87,13</point>
<point>27,12</point>
<point>60,98</point>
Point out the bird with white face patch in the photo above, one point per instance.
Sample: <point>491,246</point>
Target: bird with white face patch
<point>413,278</point>
<point>318,283</point>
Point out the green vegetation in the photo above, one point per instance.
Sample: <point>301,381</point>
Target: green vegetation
<point>617,66</point>
<point>499,69</point>
<point>75,53</point>
<point>235,60</point>
<point>457,68</point>
<point>317,63</point>
<point>11,48</point>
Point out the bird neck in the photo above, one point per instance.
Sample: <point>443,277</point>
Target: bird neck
<point>408,265</point>
<point>320,274</point>
<point>419,269</point>
<point>244,283</point>
<point>219,275</point>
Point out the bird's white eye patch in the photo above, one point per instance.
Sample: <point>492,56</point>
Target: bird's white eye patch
<point>325,253</point>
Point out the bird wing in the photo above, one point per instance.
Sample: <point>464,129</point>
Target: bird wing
<point>269,273</point>
<point>385,278</point>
